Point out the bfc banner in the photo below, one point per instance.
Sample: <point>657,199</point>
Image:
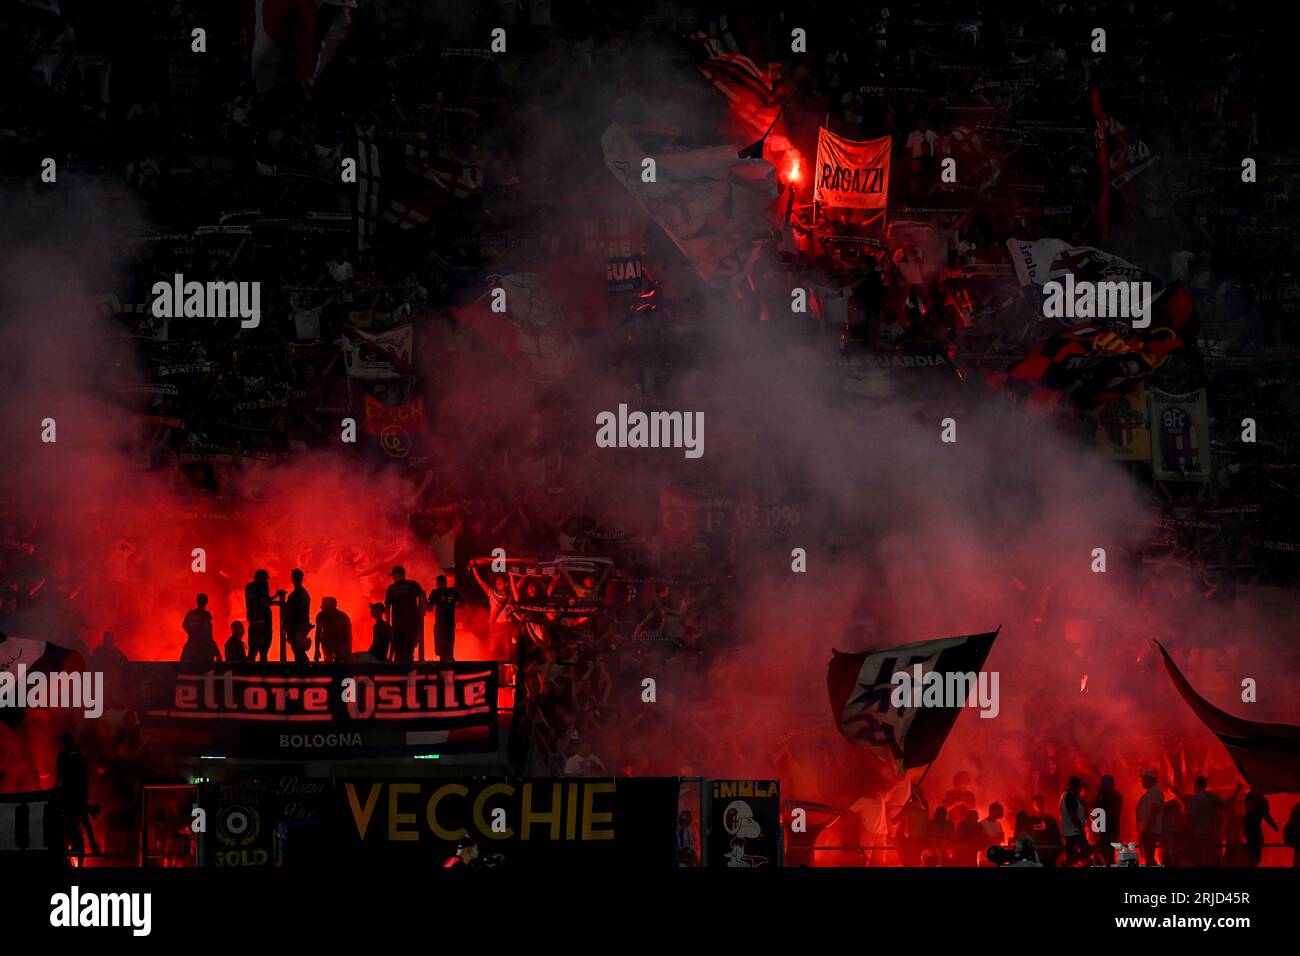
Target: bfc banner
<point>1180,436</point>
<point>851,174</point>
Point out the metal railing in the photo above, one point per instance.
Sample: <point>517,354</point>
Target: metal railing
<point>861,850</point>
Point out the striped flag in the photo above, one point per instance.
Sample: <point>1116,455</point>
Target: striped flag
<point>728,56</point>
<point>366,151</point>
<point>462,179</point>
<point>404,185</point>
<point>730,34</point>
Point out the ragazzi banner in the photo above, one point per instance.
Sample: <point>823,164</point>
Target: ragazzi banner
<point>317,710</point>
<point>559,822</point>
<point>851,174</point>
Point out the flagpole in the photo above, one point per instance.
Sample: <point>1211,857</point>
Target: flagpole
<point>755,149</point>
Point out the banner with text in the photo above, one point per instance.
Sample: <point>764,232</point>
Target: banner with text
<point>399,431</point>
<point>1180,436</point>
<point>743,824</point>
<point>851,174</point>
<point>610,822</point>
<point>317,710</point>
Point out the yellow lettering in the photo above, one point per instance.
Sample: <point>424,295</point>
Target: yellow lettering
<point>551,818</point>
<point>484,827</point>
<point>394,818</point>
<point>361,815</point>
<point>589,815</point>
<point>431,812</point>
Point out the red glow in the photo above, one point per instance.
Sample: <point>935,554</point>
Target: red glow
<point>134,573</point>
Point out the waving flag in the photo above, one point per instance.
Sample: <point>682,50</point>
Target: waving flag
<point>1043,260</point>
<point>1120,157</point>
<point>860,688</point>
<point>1103,163</point>
<point>1268,755</point>
<point>531,332</point>
<point>1096,362</point>
<point>34,656</point>
<point>298,38</point>
<point>714,207</point>
<point>753,91</point>
<point>405,186</point>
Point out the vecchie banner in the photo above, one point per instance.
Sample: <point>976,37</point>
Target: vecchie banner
<point>605,822</point>
<point>317,710</point>
<point>743,824</point>
<point>851,174</point>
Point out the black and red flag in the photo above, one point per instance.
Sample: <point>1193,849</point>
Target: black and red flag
<point>1121,155</point>
<point>33,656</point>
<point>1268,755</point>
<point>861,686</point>
<point>1095,362</point>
